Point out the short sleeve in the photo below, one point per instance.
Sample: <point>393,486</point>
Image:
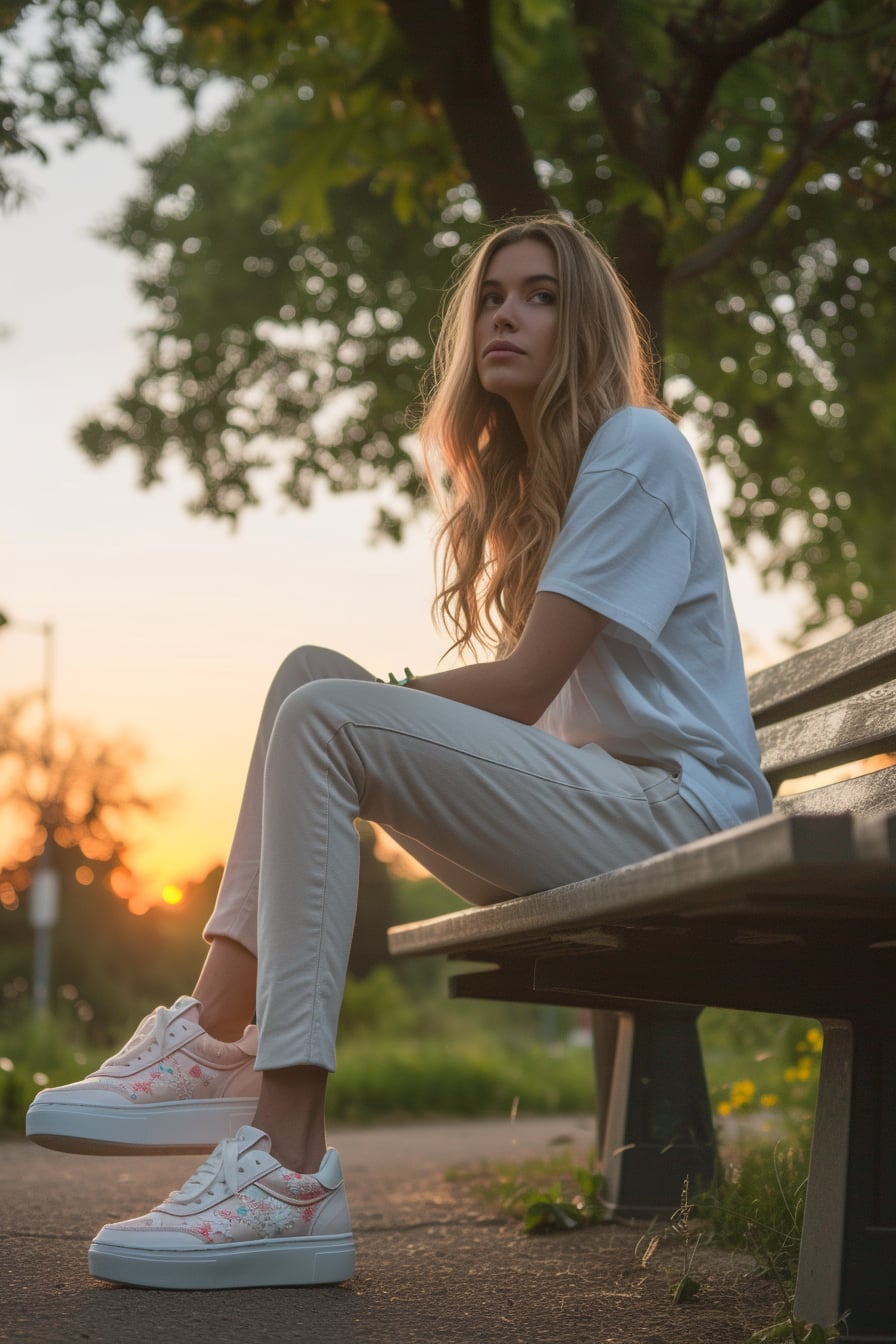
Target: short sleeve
<point>621,553</point>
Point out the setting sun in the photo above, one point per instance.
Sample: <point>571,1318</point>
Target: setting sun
<point>172,895</point>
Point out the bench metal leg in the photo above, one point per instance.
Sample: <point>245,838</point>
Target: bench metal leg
<point>659,1126</point>
<point>848,1249</point>
<point>654,1122</point>
<point>604,1035</point>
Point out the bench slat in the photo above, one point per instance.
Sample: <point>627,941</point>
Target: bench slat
<point>864,794</point>
<point>842,667</point>
<point>864,725</point>
<point>804,856</point>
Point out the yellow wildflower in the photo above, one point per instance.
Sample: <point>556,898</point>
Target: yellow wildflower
<point>742,1093</point>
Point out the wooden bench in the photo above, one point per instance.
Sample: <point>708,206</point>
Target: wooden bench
<point>794,913</point>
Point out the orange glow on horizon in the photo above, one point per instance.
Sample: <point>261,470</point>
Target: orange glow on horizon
<point>172,895</point>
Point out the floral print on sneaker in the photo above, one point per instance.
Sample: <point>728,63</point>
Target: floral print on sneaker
<point>168,1082</point>
<point>242,1194</point>
<point>252,1214</point>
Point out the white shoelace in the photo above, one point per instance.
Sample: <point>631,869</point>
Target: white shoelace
<point>224,1165</point>
<point>161,1019</point>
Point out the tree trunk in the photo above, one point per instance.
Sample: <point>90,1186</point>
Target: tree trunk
<point>637,249</point>
<point>453,49</point>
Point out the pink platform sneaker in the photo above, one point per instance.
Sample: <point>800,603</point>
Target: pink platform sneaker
<point>171,1089</point>
<point>241,1221</point>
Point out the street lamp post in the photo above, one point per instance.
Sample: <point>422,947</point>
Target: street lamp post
<point>43,904</point>
<point>43,913</point>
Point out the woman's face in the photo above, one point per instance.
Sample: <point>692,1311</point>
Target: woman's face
<point>516,323</point>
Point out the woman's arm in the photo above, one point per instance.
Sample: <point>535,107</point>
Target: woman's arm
<point>522,685</point>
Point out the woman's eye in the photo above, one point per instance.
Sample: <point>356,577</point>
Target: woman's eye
<point>544,296</point>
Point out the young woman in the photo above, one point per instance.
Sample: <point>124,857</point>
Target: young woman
<point>608,721</point>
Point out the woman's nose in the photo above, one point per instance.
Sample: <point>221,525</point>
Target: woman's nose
<point>504,315</point>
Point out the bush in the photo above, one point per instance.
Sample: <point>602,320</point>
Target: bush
<point>39,1052</point>
<point>377,1005</point>
<point>402,1053</point>
<point>396,1080</point>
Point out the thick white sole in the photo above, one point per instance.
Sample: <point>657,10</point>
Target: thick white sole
<point>286,1262</point>
<point>147,1128</point>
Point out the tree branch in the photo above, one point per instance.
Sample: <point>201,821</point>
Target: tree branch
<point>733,49</point>
<point>619,82</point>
<point>724,244</point>
<point>454,52</point>
<point>709,61</point>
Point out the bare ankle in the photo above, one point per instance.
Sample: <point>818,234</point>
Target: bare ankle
<point>306,1158</point>
<point>291,1111</point>
<point>226,990</point>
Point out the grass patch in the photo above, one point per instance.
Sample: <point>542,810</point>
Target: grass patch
<point>757,1202</point>
<point>506,1186</point>
<point>388,1079</point>
<point>543,1193</point>
<point>755,1206</point>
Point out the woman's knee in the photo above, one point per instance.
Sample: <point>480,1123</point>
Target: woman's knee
<point>310,663</point>
<point>308,729</point>
<point>326,701</point>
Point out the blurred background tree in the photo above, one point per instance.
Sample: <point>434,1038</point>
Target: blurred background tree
<point>736,160</point>
<point>78,793</point>
<point>75,792</point>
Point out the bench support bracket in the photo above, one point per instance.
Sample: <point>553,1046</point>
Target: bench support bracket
<point>659,1124</point>
<point>849,1230</point>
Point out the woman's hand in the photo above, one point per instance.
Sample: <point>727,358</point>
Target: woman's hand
<point>522,685</point>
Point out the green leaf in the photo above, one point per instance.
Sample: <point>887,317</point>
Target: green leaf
<point>545,1213</point>
<point>772,1333</point>
<point>816,1334</point>
<point>684,1290</point>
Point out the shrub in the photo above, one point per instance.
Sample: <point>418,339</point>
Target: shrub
<point>403,1079</point>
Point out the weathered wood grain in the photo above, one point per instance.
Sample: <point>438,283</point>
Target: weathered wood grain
<point>864,794</point>
<point>860,726</point>
<point>845,666</point>
<point>799,856</point>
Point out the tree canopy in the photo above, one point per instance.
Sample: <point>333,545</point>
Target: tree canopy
<point>735,159</point>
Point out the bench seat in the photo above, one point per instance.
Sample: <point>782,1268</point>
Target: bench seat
<point>793,913</point>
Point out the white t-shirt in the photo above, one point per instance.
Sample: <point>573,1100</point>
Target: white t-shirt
<point>663,683</point>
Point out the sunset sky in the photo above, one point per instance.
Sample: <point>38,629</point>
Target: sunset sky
<point>168,626</point>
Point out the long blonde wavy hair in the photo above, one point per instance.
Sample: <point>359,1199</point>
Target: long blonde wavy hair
<point>503,500</point>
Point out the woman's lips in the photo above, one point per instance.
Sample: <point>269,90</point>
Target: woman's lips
<point>501,348</point>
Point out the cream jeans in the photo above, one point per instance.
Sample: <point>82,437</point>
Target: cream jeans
<point>492,807</point>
